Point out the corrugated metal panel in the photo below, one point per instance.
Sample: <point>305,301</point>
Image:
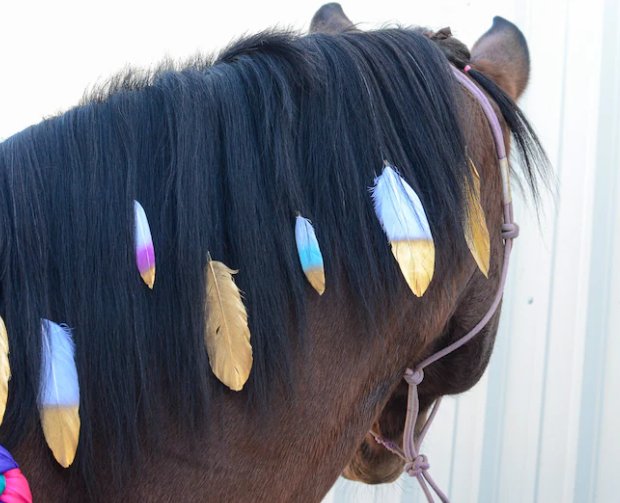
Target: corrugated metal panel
<point>543,424</point>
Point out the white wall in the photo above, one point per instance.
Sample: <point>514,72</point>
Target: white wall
<point>542,424</point>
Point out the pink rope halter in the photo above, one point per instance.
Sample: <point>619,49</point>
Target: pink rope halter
<point>416,464</point>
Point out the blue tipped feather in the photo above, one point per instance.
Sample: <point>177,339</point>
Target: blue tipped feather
<point>310,255</point>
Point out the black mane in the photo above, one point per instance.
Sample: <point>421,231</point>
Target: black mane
<point>221,154</point>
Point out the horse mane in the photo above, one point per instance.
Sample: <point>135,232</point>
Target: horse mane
<point>222,153</point>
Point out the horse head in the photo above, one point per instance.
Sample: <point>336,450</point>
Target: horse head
<point>502,55</point>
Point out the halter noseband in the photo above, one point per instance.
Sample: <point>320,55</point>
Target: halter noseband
<point>416,464</point>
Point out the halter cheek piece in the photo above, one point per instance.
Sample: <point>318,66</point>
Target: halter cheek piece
<point>416,464</point>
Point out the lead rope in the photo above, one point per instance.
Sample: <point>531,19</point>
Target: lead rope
<point>416,464</point>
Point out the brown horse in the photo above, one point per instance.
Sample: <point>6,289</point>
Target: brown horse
<point>501,54</point>
<point>221,154</point>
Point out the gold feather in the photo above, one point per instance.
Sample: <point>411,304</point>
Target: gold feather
<point>5,368</point>
<point>227,336</point>
<point>416,259</point>
<point>476,231</point>
<point>61,427</point>
<point>316,277</point>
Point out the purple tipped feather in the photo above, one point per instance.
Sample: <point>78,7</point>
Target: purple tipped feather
<point>145,252</point>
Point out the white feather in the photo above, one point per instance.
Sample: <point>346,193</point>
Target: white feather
<point>59,379</point>
<point>399,208</point>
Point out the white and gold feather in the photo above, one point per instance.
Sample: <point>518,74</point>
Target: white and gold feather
<point>59,392</point>
<point>405,223</point>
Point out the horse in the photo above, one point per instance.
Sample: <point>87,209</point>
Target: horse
<point>222,153</point>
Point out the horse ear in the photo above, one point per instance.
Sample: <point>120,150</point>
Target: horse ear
<point>502,54</point>
<point>330,18</point>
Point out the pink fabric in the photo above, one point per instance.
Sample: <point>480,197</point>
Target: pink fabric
<point>17,489</point>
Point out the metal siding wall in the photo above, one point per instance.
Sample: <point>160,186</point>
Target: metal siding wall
<point>599,441</point>
<point>541,426</point>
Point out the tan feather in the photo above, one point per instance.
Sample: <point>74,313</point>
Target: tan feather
<point>227,336</point>
<point>416,259</point>
<point>5,368</point>
<point>61,427</point>
<point>316,277</point>
<point>475,228</point>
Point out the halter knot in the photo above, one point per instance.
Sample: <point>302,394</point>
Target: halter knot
<point>414,377</point>
<point>417,465</point>
<point>510,230</point>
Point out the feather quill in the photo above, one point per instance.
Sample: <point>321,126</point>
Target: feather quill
<point>59,392</point>
<point>476,230</point>
<point>310,254</point>
<point>145,252</point>
<point>5,368</point>
<point>227,336</point>
<point>405,223</point>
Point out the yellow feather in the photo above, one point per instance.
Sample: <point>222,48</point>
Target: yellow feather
<point>316,277</point>
<point>61,427</point>
<point>5,368</point>
<point>227,336</point>
<point>416,259</point>
<point>476,231</point>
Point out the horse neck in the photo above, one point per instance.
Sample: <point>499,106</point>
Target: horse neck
<point>341,380</point>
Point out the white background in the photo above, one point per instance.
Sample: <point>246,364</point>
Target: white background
<point>543,423</point>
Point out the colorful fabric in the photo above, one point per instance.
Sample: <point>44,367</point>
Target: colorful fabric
<point>6,461</point>
<point>14,487</point>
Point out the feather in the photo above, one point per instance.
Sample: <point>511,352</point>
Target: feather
<point>310,254</point>
<point>404,221</point>
<point>476,231</point>
<point>59,392</point>
<point>227,336</point>
<point>145,253</point>
<point>5,368</point>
